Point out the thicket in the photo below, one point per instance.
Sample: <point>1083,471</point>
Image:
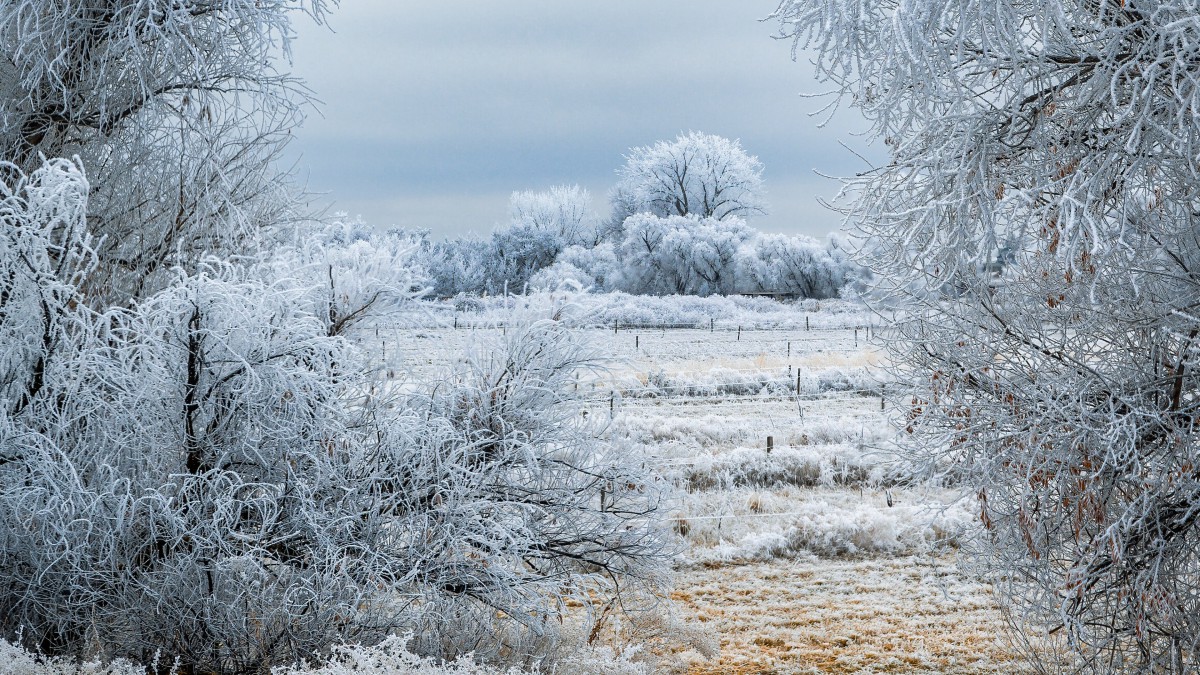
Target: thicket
<point>677,227</point>
<point>1036,225</point>
<point>198,464</point>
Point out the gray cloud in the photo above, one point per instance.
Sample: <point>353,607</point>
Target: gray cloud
<point>434,111</point>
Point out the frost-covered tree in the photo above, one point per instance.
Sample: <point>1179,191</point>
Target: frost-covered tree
<point>457,266</point>
<point>697,174</point>
<point>563,210</point>
<point>515,254</point>
<point>215,475</point>
<point>1037,223</point>
<point>680,255</point>
<point>197,459</point>
<point>176,108</point>
<point>795,265</point>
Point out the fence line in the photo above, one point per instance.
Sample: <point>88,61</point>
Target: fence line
<point>718,328</point>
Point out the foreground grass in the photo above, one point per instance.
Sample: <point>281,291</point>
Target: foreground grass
<point>877,615</point>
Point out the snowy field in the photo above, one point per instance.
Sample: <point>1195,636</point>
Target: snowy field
<point>819,556</point>
<point>809,558</point>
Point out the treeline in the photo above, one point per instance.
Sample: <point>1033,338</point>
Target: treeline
<point>677,227</point>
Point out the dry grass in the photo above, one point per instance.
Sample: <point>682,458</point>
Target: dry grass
<point>801,613</point>
<point>892,612</point>
<point>899,615</point>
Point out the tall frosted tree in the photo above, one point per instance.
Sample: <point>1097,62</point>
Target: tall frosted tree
<point>697,174</point>
<point>1038,222</point>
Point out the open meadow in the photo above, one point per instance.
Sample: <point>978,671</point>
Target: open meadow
<point>818,554</point>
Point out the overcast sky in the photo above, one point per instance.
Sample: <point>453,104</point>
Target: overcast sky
<point>434,111</point>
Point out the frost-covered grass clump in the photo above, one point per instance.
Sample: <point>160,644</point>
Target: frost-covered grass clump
<point>842,464</point>
<point>679,436</point>
<point>719,381</point>
<point>745,525</point>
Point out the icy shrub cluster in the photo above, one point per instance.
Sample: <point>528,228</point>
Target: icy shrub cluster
<point>392,656</point>
<point>214,473</point>
<point>16,661</point>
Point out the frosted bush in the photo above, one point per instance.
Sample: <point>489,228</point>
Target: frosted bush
<point>390,657</point>
<point>16,661</point>
<point>214,475</point>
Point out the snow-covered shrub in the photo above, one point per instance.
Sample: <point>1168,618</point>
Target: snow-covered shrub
<point>531,505</point>
<point>208,474</point>
<point>389,657</point>
<point>17,661</point>
<point>351,274</point>
<point>192,479</point>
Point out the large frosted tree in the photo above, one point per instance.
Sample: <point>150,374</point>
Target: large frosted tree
<point>701,175</point>
<point>1038,225</point>
<point>176,109</point>
<point>198,460</point>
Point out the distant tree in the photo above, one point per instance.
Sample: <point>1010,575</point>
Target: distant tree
<point>680,256</point>
<point>1036,227</point>
<point>457,266</point>
<point>795,265</point>
<point>515,254</point>
<point>623,204</point>
<point>706,255</point>
<point>563,210</point>
<point>697,174</point>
